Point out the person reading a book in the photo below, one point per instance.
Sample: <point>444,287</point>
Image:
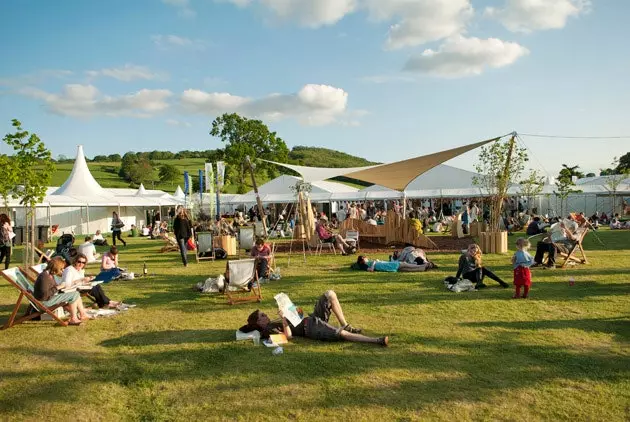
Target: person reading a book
<point>74,276</point>
<point>315,326</point>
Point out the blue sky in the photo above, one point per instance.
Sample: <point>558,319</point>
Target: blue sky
<point>382,79</point>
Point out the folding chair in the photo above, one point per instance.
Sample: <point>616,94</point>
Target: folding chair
<point>246,237</point>
<point>16,277</point>
<point>241,287</point>
<point>43,256</point>
<point>320,246</point>
<point>204,247</point>
<point>352,236</point>
<point>170,246</point>
<point>580,234</point>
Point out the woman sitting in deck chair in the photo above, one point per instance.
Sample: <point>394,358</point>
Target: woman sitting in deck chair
<point>47,292</point>
<point>315,326</point>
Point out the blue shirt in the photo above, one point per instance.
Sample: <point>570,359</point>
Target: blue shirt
<point>522,259</point>
<point>385,266</point>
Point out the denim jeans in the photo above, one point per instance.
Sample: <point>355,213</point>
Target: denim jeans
<point>183,250</point>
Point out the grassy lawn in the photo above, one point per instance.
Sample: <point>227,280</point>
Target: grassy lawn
<point>564,354</point>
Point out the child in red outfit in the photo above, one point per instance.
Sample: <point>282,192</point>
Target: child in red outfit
<point>521,261</point>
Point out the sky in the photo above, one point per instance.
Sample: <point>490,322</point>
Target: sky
<point>381,79</point>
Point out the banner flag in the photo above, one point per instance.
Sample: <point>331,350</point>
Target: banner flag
<point>201,185</point>
<point>186,184</point>
<point>220,174</point>
<point>209,177</point>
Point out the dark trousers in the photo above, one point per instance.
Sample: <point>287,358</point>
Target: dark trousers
<point>116,235</point>
<point>541,249</point>
<point>99,296</point>
<point>262,267</point>
<point>478,275</point>
<point>183,250</point>
<point>5,253</point>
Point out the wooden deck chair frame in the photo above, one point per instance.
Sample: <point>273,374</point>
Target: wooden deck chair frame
<point>26,292</point>
<point>320,245</point>
<point>244,295</point>
<point>205,245</point>
<point>43,256</point>
<point>577,247</point>
<point>170,246</point>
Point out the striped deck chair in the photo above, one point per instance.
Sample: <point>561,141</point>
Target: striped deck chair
<point>16,277</point>
<point>241,286</point>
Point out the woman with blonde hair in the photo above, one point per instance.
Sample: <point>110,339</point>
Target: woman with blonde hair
<point>46,291</point>
<point>6,240</point>
<point>471,268</point>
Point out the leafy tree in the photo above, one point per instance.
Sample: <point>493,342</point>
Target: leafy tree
<point>9,180</point>
<point>100,158</point>
<point>623,164</point>
<point>607,172</point>
<point>614,180</point>
<point>564,187</point>
<point>532,186</point>
<point>248,137</point>
<point>114,158</point>
<point>141,171</point>
<point>569,172</point>
<point>127,161</point>
<point>169,173</point>
<point>590,174</point>
<point>34,168</point>
<point>499,165</point>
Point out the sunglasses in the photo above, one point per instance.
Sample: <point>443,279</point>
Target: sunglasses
<point>82,262</point>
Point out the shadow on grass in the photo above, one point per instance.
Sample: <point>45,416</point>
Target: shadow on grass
<point>472,371</point>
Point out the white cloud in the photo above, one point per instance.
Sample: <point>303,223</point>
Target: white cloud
<point>311,13</point>
<point>420,21</point>
<point>183,8</point>
<point>178,123</point>
<point>86,101</point>
<point>460,56</point>
<point>127,73</point>
<point>174,41</point>
<point>312,105</point>
<point>533,15</point>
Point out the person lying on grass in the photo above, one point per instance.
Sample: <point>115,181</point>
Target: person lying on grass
<point>315,326</point>
<point>412,255</point>
<point>372,265</point>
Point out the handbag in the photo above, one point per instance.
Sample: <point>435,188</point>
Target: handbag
<point>190,245</point>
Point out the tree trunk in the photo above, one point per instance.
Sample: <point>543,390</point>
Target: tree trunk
<point>34,238</point>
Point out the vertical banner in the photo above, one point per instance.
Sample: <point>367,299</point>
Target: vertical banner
<point>201,180</point>
<point>218,190</point>
<point>220,174</point>
<point>209,177</point>
<point>186,184</point>
<point>210,187</point>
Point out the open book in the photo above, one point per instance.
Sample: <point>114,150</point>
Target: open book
<point>276,340</point>
<point>289,310</point>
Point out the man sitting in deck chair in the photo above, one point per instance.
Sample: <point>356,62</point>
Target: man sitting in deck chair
<point>562,238</point>
<point>261,252</point>
<point>315,326</point>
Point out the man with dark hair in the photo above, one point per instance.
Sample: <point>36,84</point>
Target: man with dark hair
<point>315,326</point>
<point>535,227</point>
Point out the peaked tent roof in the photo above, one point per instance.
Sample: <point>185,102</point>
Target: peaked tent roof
<point>81,182</point>
<point>179,193</point>
<point>141,190</point>
<point>395,176</point>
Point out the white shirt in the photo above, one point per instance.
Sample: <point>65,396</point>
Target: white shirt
<point>89,251</point>
<point>98,237</point>
<point>70,277</point>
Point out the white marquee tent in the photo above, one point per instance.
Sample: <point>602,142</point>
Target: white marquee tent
<point>82,206</point>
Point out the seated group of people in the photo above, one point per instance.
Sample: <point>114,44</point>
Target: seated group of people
<point>58,284</point>
<point>327,236</point>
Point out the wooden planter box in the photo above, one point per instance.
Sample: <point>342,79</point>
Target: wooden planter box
<point>493,242</point>
<point>226,242</point>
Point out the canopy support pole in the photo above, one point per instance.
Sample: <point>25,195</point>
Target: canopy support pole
<point>87,213</point>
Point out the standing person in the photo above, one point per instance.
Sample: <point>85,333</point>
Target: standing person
<point>117,225</point>
<point>183,231</point>
<point>521,261</point>
<point>6,240</point>
<point>465,219</point>
<point>471,268</point>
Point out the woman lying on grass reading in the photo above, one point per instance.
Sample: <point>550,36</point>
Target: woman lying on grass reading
<point>363,263</point>
<point>315,326</point>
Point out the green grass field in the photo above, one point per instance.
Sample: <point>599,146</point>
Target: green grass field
<point>564,354</point>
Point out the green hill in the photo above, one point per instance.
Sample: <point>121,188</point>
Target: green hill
<point>106,173</point>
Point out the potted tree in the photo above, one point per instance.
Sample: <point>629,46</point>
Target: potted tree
<point>499,165</point>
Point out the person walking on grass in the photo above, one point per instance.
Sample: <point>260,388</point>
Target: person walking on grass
<point>471,268</point>
<point>521,261</point>
<point>6,240</point>
<point>182,229</point>
<point>315,326</point>
<point>117,225</point>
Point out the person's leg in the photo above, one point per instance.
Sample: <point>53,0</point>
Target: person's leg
<point>334,306</point>
<point>360,338</point>
<point>121,239</point>
<point>551,260</point>
<point>517,291</point>
<point>99,296</point>
<point>487,273</point>
<point>114,238</point>
<point>525,291</point>
<point>541,248</point>
<point>183,251</point>
<point>405,267</point>
<point>3,250</point>
<point>72,308</point>
<point>475,276</point>
<point>81,309</point>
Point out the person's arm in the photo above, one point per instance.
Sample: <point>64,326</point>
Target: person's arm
<point>372,267</point>
<point>513,260</point>
<point>285,326</point>
<point>460,269</point>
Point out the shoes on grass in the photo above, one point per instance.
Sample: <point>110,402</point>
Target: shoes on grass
<point>383,341</point>
<point>349,328</point>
